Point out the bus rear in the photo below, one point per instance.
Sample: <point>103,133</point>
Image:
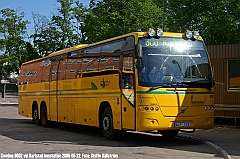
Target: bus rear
<point>174,86</point>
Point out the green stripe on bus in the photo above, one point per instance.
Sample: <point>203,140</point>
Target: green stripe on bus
<point>69,94</point>
<point>177,92</point>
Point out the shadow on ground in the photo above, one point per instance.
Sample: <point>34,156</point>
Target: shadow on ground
<point>60,133</point>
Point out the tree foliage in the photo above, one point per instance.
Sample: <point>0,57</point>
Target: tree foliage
<point>61,31</point>
<point>12,43</point>
<point>110,18</point>
<point>217,21</point>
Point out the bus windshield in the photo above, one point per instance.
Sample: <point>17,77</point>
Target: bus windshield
<point>171,61</point>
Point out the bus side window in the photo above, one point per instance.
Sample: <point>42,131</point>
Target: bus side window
<point>110,54</point>
<point>128,44</point>
<point>91,59</point>
<point>29,73</point>
<point>36,72</point>
<point>45,68</point>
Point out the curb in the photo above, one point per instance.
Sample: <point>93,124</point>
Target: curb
<point>8,104</point>
<point>223,152</point>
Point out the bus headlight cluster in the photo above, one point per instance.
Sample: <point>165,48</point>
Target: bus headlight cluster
<point>194,35</point>
<point>151,32</point>
<point>158,32</point>
<point>209,108</point>
<point>188,34</point>
<point>149,108</point>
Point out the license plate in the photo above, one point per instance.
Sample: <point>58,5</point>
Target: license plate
<point>181,124</point>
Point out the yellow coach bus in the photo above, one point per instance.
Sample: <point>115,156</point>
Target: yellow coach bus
<point>141,81</point>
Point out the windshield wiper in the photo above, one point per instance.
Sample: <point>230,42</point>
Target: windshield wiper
<point>198,83</point>
<point>155,87</point>
<point>175,62</point>
<point>179,84</point>
<point>173,85</point>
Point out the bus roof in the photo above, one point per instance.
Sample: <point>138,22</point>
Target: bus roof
<point>136,34</point>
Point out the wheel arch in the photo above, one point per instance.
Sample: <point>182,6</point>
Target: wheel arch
<point>34,103</point>
<point>103,105</point>
<point>43,104</point>
<point>44,115</point>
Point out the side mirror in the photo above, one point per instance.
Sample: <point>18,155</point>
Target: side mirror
<point>139,54</point>
<point>213,82</point>
<point>139,50</point>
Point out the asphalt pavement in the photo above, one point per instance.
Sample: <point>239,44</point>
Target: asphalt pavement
<point>224,136</point>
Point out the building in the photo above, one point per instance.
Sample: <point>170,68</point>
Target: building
<point>225,59</point>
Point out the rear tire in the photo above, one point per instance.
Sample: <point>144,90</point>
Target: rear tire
<point>44,120</point>
<point>36,116</point>
<point>107,124</point>
<point>169,133</point>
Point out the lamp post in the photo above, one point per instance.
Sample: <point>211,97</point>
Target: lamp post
<point>163,15</point>
<point>18,42</point>
<point>81,28</point>
<point>4,83</point>
<point>82,33</point>
<point>76,30</point>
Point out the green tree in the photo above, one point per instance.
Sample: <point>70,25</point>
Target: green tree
<point>46,37</point>
<point>110,18</point>
<point>217,21</point>
<point>78,14</point>
<point>12,40</point>
<point>63,23</point>
<point>221,22</point>
<point>61,31</point>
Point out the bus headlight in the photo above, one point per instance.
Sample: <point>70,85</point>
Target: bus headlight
<point>195,35</point>
<point>159,32</point>
<point>188,34</point>
<point>151,32</point>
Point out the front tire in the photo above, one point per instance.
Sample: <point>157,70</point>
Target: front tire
<point>107,124</point>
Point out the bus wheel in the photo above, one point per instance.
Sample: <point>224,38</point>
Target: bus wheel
<point>35,115</point>
<point>107,124</point>
<point>169,133</point>
<point>44,121</point>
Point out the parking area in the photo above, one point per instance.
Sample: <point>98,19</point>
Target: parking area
<point>19,135</point>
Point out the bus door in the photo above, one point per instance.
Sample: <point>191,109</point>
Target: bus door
<point>53,89</point>
<point>127,86</point>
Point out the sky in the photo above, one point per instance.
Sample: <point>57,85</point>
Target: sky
<point>43,7</point>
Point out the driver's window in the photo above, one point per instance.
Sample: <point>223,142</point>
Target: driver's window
<point>127,86</point>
